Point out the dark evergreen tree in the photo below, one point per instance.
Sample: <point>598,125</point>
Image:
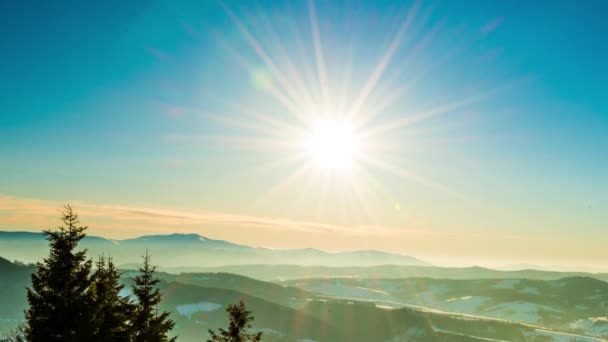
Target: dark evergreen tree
<point>240,323</point>
<point>59,299</point>
<point>149,325</point>
<point>112,312</point>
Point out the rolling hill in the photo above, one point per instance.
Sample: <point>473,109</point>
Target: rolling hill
<point>286,272</point>
<point>305,310</point>
<point>575,304</point>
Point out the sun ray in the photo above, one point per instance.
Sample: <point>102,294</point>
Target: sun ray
<point>276,120</point>
<point>252,142</point>
<point>324,186</point>
<point>260,123</point>
<point>378,71</point>
<point>309,186</point>
<point>439,110</point>
<point>325,100</point>
<point>346,79</point>
<point>363,197</point>
<point>291,160</point>
<point>284,183</point>
<point>283,99</point>
<point>291,102</point>
<point>421,116</point>
<point>302,89</point>
<point>340,139</point>
<point>386,166</point>
<point>306,70</point>
<point>397,71</point>
<point>378,193</point>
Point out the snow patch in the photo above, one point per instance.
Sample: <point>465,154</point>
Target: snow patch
<point>269,331</point>
<point>188,310</point>
<point>459,298</point>
<point>372,290</point>
<point>530,290</point>
<point>387,307</point>
<point>562,337</point>
<point>597,326</point>
<point>125,292</point>
<point>466,304</point>
<point>336,289</point>
<point>519,311</point>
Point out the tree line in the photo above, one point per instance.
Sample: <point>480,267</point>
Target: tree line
<point>72,299</point>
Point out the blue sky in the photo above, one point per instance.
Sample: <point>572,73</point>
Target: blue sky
<point>145,104</point>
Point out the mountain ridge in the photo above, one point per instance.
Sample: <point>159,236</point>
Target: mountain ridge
<point>179,249</point>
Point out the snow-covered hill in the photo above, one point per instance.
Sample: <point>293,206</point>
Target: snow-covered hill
<point>561,304</point>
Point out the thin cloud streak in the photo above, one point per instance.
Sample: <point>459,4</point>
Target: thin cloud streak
<point>19,213</point>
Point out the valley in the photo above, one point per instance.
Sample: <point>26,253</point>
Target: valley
<point>367,309</point>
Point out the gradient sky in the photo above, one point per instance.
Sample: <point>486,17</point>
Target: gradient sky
<point>155,117</point>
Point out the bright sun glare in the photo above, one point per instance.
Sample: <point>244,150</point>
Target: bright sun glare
<point>336,122</point>
<point>333,145</point>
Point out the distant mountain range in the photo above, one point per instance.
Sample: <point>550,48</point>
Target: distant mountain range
<point>549,268</point>
<point>193,250</point>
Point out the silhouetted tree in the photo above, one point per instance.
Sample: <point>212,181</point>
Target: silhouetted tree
<point>148,324</point>
<point>240,322</point>
<point>112,312</point>
<point>59,299</point>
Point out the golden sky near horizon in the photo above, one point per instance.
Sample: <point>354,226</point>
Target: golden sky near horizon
<point>455,249</point>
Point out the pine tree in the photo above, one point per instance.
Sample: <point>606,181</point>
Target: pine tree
<point>148,324</point>
<point>59,299</point>
<point>240,322</point>
<point>112,312</point>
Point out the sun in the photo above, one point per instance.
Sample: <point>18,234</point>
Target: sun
<point>333,145</point>
<point>334,127</point>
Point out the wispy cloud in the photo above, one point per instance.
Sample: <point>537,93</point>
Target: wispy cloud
<point>124,221</point>
<point>491,25</point>
<point>27,212</point>
<point>31,213</point>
